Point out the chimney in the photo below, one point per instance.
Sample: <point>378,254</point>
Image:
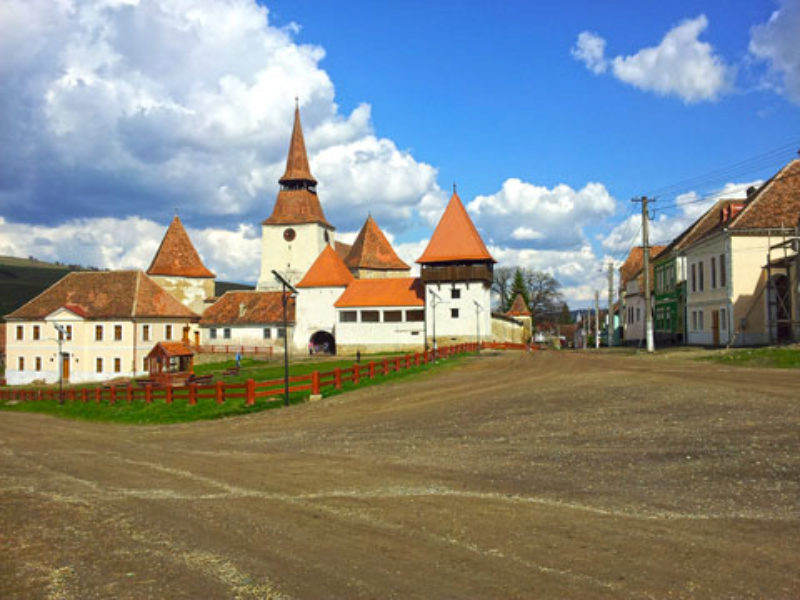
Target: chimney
<point>751,190</point>
<point>735,209</point>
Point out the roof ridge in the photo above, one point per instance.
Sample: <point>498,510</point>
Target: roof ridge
<point>135,303</point>
<point>49,287</point>
<point>761,191</point>
<point>372,250</point>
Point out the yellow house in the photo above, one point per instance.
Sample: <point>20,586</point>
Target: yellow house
<point>741,274</point>
<point>103,323</point>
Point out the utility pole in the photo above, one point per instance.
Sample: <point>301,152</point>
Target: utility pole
<point>596,319</point>
<point>610,325</point>
<point>648,315</point>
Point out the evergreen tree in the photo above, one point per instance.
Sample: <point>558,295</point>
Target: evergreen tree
<point>518,286</point>
<point>565,318</point>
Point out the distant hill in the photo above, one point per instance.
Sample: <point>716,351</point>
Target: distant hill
<point>22,279</point>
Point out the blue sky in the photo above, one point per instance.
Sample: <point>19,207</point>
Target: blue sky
<point>549,116</point>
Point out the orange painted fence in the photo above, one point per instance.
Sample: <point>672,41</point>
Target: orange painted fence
<point>250,390</point>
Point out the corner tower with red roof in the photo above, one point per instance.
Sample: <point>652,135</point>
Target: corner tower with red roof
<point>457,272</point>
<point>296,232</point>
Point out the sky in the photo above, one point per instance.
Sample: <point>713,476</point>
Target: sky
<point>548,116</point>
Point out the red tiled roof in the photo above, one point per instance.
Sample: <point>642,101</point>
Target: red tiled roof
<point>104,294</point>
<point>372,250</point>
<point>518,308</point>
<point>248,308</point>
<point>297,160</point>
<point>176,256</point>
<point>170,349</point>
<point>76,309</point>
<point>709,221</point>
<point>327,271</point>
<point>455,238</point>
<point>633,264</point>
<point>295,207</point>
<point>396,291</point>
<point>342,249</point>
<point>775,204</point>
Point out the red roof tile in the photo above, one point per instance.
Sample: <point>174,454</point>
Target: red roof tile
<point>775,204</point>
<point>396,291</point>
<point>297,160</point>
<point>248,308</point>
<point>176,256</point>
<point>633,264</point>
<point>327,271</point>
<point>518,308</point>
<point>295,207</point>
<point>170,349</point>
<point>104,294</point>
<point>455,238</point>
<point>342,249</point>
<point>372,250</point>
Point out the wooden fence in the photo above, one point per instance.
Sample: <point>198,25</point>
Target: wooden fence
<point>268,351</point>
<point>250,390</point>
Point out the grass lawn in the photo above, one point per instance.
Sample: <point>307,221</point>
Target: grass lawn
<point>137,412</point>
<point>782,358</point>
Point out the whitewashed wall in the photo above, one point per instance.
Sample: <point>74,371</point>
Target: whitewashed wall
<point>315,311</point>
<point>465,326</point>
<point>291,259</point>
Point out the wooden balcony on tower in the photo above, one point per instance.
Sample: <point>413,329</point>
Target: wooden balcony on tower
<point>448,273</point>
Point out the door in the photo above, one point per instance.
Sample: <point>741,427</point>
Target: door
<point>197,339</point>
<point>715,326</point>
<point>65,366</point>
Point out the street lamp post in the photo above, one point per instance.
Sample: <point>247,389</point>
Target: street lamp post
<point>436,300</point>
<point>286,286</point>
<point>478,309</point>
<point>61,333</point>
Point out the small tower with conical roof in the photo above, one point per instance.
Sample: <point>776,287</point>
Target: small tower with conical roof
<point>457,271</point>
<point>178,268</point>
<point>296,232</point>
<point>372,256</point>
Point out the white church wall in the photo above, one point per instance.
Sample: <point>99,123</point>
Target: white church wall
<point>384,334</point>
<point>189,291</point>
<point>462,325</point>
<point>290,258</point>
<point>314,311</point>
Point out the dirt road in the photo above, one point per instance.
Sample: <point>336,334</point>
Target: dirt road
<point>554,475</point>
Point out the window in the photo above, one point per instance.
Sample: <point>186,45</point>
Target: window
<point>168,332</point>
<point>212,333</point>
<point>99,365</point>
<point>713,272</point>
<point>69,333</point>
<point>453,313</point>
<point>146,333</point>
<point>36,332</point>
<point>723,319</point>
<point>455,293</point>
<point>117,333</point>
<point>700,319</point>
<point>348,316</point>
<point>638,314</point>
<point>694,277</point>
<point>267,333</point>
<point>20,332</point>
<point>392,316</point>
<point>226,333</point>
<point>415,315</point>
<point>117,365</point>
<point>694,320</point>
<point>38,363</point>
<point>281,333</point>
<point>701,283</point>
<point>21,363</point>
<point>144,363</point>
<point>722,274</point>
<point>98,333</point>
<point>370,316</point>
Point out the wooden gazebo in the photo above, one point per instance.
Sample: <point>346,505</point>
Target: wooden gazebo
<point>170,363</point>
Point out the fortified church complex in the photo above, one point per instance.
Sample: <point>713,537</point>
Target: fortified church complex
<point>350,298</point>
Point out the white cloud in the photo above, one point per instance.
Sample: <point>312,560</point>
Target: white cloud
<point>132,108</point>
<point>776,42</point>
<point>590,49</point>
<point>671,220</point>
<point>520,213</point>
<point>681,65</point>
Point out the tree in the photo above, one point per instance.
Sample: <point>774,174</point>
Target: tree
<point>518,286</point>
<point>565,318</point>
<point>545,295</point>
<point>501,286</point>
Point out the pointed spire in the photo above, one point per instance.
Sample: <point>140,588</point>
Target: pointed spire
<point>372,250</point>
<point>455,238</point>
<point>298,173</point>
<point>177,256</point>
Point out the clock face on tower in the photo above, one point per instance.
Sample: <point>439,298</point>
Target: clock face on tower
<point>289,234</point>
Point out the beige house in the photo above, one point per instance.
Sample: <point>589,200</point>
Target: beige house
<point>631,293</point>
<point>741,275</point>
<point>103,323</point>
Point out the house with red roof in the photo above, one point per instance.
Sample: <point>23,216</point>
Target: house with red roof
<point>103,324</point>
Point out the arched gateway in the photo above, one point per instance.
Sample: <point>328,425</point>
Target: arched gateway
<point>323,342</point>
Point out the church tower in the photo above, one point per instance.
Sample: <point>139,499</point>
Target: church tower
<point>296,232</point>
